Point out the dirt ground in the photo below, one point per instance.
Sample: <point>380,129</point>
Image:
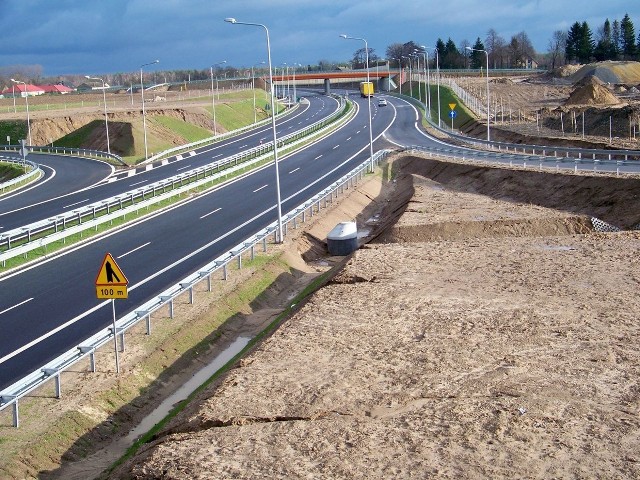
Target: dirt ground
<point>479,337</point>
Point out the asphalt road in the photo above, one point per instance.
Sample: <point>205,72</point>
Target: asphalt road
<point>51,307</point>
<point>82,182</point>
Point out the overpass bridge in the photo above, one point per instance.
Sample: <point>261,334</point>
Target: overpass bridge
<point>385,79</point>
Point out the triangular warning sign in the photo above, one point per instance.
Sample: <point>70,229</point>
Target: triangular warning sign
<point>452,106</point>
<point>110,273</point>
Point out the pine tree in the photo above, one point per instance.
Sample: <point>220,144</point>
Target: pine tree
<point>573,37</point>
<point>616,39</point>
<point>628,38</point>
<point>585,44</point>
<point>477,58</point>
<point>604,47</point>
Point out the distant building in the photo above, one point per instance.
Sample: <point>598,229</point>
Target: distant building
<point>22,90</point>
<point>58,88</point>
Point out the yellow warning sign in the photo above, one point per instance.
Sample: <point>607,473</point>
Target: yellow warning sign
<point>111,281</point>
<point>452,106</point>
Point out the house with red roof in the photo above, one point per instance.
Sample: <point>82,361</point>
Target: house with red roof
<point>58,88</point>
<point>22,90</point>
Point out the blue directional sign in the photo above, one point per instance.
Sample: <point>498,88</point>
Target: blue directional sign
<point>452,114</point>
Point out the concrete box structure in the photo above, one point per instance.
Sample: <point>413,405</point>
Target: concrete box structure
<point>343,239</point>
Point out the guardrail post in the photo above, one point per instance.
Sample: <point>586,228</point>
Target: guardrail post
<point>264,244</point>
<point>253,252</point>
<point>224,272</point>
<point>303,216</point>
<point>14,399</point>
<point>295,223</point>
<point>168,299</point>
<point>240,261</point>
<point>92,357</point>
<point>121,334</point>
<point>185,285</point>
<point>56,374</point>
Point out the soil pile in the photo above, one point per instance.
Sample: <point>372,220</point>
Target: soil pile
<point>464,356</point>
<point>592,94</point>
<point>610,72</point>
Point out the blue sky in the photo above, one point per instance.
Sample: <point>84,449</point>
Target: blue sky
<point>109,36</point>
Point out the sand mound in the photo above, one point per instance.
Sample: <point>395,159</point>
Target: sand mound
<point>566,70</point>
<point>609,72</point>
<point>592,94</point>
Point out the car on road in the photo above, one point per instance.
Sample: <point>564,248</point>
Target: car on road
<point>382,102</point>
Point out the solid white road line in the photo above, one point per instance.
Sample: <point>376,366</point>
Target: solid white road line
<point>15,306</point>
<point>210,213</point>
<point>135,249</point>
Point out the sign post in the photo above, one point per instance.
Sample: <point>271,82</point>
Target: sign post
<point>112,283</point>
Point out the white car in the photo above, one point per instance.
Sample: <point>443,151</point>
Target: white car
<point>382,102</point>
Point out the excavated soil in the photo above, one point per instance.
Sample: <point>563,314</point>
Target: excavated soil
<point>488,333</point>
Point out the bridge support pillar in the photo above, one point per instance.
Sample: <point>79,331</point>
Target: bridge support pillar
<point>327,87</point>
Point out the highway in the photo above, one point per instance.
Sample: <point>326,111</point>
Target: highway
<point>82,181</point>
<point>50,307</point>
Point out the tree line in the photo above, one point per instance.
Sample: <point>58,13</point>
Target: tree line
<point>613,41</point>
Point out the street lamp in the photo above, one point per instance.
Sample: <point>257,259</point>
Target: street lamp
<point>104,100</point>
<point>273,123</point>
<point>426,62</point>
<point>26,99</point>
<point>366,51</point>
<point>144,118</point>
<point>213,98</point>
<point>253,87</point>
<point>438,78</point>
<point>410,74</point>
<point>487,55</point>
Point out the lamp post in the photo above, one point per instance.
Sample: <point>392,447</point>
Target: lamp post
<point>487,55</point>
<point>399,60</point>
<point>408,57</point>
<point>366,51</point>
<point>438,78</point>
<point>273,123</point>
<point>26,99</point>
<point>426,62</point>
<point>144,118</point>
<point>104,100</point>
<point>416,54</point>
<point>213,98</point>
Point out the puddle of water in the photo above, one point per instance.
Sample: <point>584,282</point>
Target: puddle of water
<point>185,390</point>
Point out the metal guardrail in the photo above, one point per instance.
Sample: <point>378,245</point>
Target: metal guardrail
<point>90,216</point>
<point>11,395</point>
<point>81,152</point>
<point>540,161</point>
<point>34,171</point>
<point>572,153</point>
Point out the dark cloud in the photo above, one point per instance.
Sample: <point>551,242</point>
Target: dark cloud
<point>118,35</point>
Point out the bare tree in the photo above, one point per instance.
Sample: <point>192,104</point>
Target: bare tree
<point>495,45</point>
<point>557,46</point>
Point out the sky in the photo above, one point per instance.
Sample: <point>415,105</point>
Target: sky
<point>110,36</point>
